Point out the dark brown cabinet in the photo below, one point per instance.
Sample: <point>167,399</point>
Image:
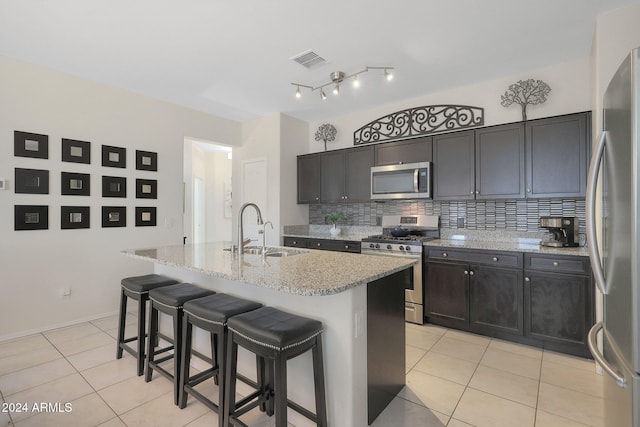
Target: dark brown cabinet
<point>309,178</point>
<point>323,244</point>
<point>399,152</point>
<point>557,156</point>
<point>559,295</point>
<point>475,291</point>
<point>483,164</point>
<point>499,162</point>
<point>454,166</point>
<point>343,175</point>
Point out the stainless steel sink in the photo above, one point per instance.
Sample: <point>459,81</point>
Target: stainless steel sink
<point>271,251</point>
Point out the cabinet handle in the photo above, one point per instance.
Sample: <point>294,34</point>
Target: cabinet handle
<point>345,197</point>
<point>495,259</point>
<point>317,198</point>
<point>346,246</point>
<point>477,192</point>
<point>466,272</point>
<point>319,244</point>
<point>528,189</point>
<point>526,279</point>
<point>471,273</point>
<point>555,263</point>
<point>294,242</point>
<point>444,254</point>
<point>471,192</point>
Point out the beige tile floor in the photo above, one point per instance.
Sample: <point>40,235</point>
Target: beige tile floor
<point>454,379</point>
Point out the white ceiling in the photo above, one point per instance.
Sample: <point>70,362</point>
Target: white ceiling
<point>231,58</point>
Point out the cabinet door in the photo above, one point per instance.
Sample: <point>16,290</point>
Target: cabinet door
<point>447,293</point>
<point>413,151</point>
<point>496,300</point>
<point>332,176</point>
<point>500,162</point>
<point>454,166</point>
<point>557,156</point>
<point>559,309</point>
<point>309,178</point>
<point>358,162</point>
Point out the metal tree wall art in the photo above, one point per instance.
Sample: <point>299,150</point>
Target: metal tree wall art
<point>526,92</point>
<point>327,133</point>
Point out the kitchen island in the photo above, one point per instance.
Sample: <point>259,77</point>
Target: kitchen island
<point>358,298</point>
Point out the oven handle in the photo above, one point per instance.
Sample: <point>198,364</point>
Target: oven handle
<point>416,187</point>
<point>417,255</point>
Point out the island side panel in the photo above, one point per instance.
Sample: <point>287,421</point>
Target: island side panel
<point>386,339</point>
<point>345,354</point>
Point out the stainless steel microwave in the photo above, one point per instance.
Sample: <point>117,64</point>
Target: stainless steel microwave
<point>404,181</point>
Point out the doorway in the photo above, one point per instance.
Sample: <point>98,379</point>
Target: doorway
<point>207,191</point>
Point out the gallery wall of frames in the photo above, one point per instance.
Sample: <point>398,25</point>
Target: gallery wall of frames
<point>112,185</point>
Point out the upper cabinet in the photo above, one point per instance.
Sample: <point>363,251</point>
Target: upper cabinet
<point>543,158</point>
<point>500,162</point>
<point>557,156</point>
<point>453,166</point>
<point>335,176</point>
<point>482,164</point>
<point>399,152</point>
<point>309,178</point>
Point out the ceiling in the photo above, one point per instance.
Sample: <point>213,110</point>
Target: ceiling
<point>232,58</point>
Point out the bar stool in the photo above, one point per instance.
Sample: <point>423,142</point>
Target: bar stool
<point>276,337</point>
<point>137,288</point>
<point>169,300</point>
<point>211,314</point>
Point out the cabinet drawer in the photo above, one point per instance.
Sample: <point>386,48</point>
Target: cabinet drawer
<point>334,245</point>
<point>558,263</point>
<point>498,259</point>
<point>296,242</point>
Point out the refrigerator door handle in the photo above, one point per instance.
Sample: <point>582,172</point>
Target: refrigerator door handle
<point>595,352</point>
<point>592,181</point>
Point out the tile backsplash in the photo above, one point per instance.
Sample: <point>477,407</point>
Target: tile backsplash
<point>512,215</point>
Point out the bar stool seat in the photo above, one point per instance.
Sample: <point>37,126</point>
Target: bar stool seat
<point>276,336</point>
<point>211,314</point>
<point>137,288</point>
<point>169,300</point>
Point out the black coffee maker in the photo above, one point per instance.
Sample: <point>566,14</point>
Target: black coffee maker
<point>564,230</point>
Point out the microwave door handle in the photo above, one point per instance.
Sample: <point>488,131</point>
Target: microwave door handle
<point>416,188</point>
<point>592,181</point>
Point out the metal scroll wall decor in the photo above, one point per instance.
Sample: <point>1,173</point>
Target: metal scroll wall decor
<point>419,121</point>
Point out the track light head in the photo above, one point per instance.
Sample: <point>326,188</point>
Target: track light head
<point>336,89</point>
<point>323,95</point>
<point>298,94</point>
<point>356,81</point>
<point>388,74</point>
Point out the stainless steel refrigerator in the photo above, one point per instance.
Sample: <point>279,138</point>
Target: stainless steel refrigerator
<point>617,270</point>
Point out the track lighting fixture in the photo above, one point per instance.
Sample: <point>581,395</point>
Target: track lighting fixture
<point>337,77</point>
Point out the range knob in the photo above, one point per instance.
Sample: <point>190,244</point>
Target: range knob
<point>377,246</point>
<point>401,248</point>
<point>371,245</point>
<point>407,248</point>
<point>389,247</point>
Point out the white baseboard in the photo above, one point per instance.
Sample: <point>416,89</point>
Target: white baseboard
<point>23,334</point>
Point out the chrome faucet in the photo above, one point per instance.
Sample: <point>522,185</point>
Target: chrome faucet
<point>264,235</point>
<point>241,241</point>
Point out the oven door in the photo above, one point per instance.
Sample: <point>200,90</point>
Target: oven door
<point>413,296</point>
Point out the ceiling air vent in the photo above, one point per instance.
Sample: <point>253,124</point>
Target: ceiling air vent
<point>308,58</point>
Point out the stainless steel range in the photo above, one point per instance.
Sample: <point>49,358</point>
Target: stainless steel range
<point>403,235</point>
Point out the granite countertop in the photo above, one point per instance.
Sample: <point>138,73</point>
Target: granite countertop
<point>310,272</point>
<point>524,245</point>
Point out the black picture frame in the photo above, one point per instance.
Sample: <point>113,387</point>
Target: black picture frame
<point>31,181</point>
<point>27,144</point>
<point>146,161</point>
<point>31,217</point>
<point>114,186</point>
<point>145,217</point>
<point>146,189</point>
<point>75,184</point>
<point>75,151</point>
<point>73,217</point>
<point>114,157</point>
<point>114,216</point>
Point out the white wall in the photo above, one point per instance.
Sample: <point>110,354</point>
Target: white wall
<point>34,265</point>
<point>218,172</point>
<point>570,93</point>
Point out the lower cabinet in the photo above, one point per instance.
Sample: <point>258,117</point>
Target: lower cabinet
<point>473,296</point>
<point>542,300</point>
<point>559,307</point>
<point>323,244</point>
